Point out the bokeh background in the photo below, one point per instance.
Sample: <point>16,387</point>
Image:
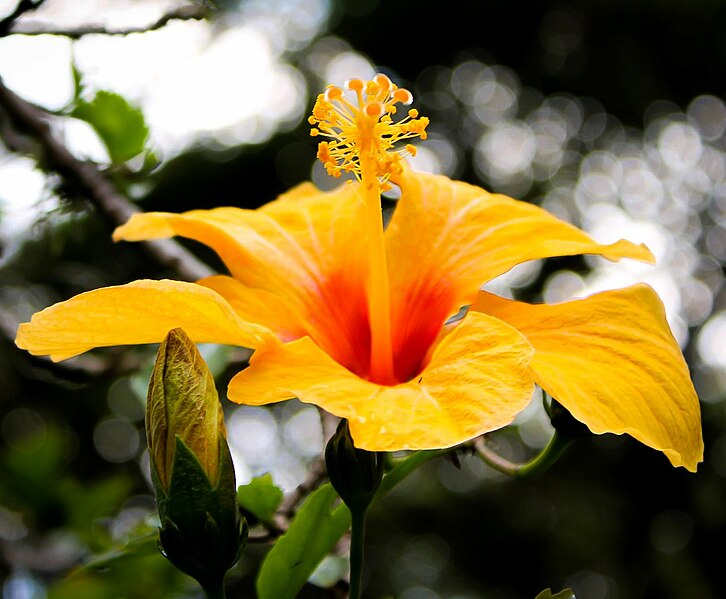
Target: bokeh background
<point>609,113</point>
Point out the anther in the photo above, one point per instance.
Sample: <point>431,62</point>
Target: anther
<point>373,109</point>
<point>383,82</point>
<point>354,85</point>
<point>403,96</point>
<point>333,93</point>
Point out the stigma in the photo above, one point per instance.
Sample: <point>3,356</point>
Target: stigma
<point>362,125</point>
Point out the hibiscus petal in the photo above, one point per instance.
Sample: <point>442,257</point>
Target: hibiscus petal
<point>464,237</point>
<point>286,243</point>
<point>611,360</point>
<point>477,381</point>
<point>139,312</point>
<point>258,306</point>
<point>307,247</point>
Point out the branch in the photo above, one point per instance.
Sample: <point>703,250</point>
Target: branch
<point>22,7</point>
<point>87,179</point>
<point>186,12</point>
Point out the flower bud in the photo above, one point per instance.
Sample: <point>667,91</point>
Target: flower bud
<point>202,532</point>
<point>354,473</point>
<point>183,402</point>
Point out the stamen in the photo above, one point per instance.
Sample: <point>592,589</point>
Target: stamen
<point>365,125</point>
<point>354,85</point>
<point>403,96</point>
<point>374,109</point>
<point>333,93</point>
<point>383,82</point>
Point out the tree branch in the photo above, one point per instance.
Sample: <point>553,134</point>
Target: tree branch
<point>22,7</point>
<point>186,12</point>
<point>28,119</point>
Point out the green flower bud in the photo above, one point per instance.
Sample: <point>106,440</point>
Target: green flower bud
<point>202,531</point>
<point>183,402</point>
<point>354,473</point>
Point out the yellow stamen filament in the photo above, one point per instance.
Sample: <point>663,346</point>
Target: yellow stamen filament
<point>362,139</point>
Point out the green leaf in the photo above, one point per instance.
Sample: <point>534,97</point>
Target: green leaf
<point>120,125</point>
<point>564,594</point>
<point>134,570</point>
<point>77,81</point>
<point>260,497</point>
<point>142,546</point>
<point>311,536</point>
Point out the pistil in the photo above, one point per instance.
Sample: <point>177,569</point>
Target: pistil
<point>379,303</point>
<point>362,140</point>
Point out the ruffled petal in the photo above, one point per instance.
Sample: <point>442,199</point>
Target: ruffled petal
<point>139,312</point>
<point>447,238</point>
<point>307,247</point>
<point>611,360</point>
<point>477,381</point>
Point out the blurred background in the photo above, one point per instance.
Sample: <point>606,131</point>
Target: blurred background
<point>608,113</point>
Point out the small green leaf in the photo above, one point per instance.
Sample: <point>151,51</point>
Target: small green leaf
<point>77,81</point>
<point>564,594</point>
<point>120,125</point>
<point>260,497</point>
<point>142,546</point>
<point>311,536</point>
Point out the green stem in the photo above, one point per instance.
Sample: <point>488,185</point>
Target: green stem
<point>357,537</point>
<point>536,466</point>
<point>214,588</point>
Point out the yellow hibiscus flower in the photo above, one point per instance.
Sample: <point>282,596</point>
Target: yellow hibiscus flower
<point>352,318</point>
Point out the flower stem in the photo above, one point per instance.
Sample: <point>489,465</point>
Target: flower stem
<point>536,466</point>
<point>214,588</point>
<point>357,539</point>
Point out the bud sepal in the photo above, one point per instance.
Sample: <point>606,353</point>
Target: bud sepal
<point>202,531</point>
<point>354,473</point>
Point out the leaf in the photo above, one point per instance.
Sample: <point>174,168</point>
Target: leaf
<point>311,536</point>
<point>77,81</point>
<point>141,546</point>
<point>260,497</point>
<point>136,569</point>
<point>564,594</point>
<point>120,125</point>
